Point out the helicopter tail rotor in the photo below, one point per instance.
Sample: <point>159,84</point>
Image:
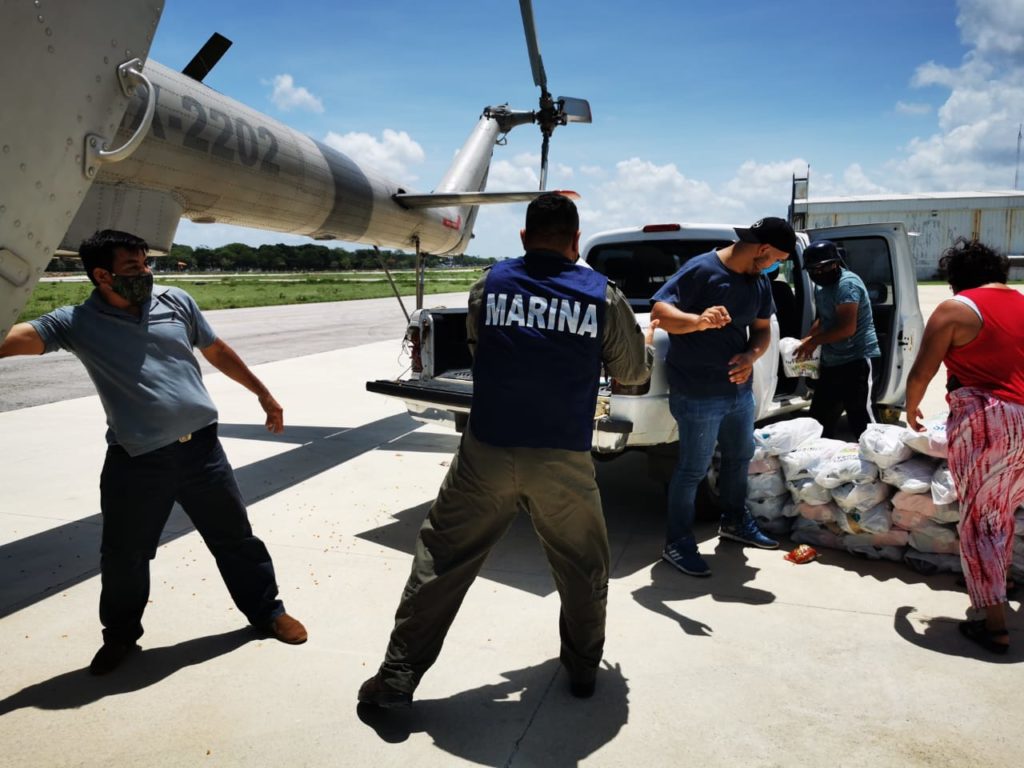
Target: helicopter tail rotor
<point>551,112</point>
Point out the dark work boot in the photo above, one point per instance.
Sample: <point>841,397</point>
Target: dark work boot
<point>110,655</point>
<point>378,692</point>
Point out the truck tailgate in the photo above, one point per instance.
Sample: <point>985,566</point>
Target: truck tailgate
<point>440,393</point>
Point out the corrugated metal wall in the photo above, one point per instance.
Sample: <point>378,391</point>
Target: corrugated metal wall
<point>996,221</point>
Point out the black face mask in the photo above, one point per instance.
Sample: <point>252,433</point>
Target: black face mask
<point>828,277</point>
<point>136,289</point>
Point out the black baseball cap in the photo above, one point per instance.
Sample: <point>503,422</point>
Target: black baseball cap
<point>822,253</point>
<point>771,231</point>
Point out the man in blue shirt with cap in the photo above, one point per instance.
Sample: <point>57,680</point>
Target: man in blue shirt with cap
<point>717,310</point>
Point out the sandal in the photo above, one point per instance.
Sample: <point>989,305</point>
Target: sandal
<point>977,632</point>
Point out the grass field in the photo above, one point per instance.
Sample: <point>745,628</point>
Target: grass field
<point>235,291</point>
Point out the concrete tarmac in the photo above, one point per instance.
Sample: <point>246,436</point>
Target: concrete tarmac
<point>840,662</point>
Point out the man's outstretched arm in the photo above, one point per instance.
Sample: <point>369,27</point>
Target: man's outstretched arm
<point>226,360</point>
<point>22,340</point>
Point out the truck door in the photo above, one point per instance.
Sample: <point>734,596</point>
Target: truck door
<point>880,255</point>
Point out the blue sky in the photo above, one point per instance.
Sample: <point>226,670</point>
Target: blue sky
<point>702,110</point>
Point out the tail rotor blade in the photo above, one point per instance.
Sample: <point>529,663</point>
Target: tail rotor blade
<point>575,110</point>
<point>539,76</point>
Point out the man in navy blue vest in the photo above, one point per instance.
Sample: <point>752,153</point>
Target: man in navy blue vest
<point>540,327</point>
<point>717,310</point>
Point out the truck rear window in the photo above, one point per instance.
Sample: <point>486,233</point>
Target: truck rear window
<point>641,267</point>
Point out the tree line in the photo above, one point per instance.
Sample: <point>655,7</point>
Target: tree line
<point>308,257</point>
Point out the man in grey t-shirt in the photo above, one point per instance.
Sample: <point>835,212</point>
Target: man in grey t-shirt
<point>845,331</point>
<point>136,343</point>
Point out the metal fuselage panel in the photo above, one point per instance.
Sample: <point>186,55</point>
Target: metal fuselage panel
<point>59,63</point>
<point>225,162</point>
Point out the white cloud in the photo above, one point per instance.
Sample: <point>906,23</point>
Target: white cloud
<point>511,176</point>
<point>765,185</point>
<point>642,192</point>
<point>856,182</point>
<point>993,26</point>
<point>913,108</point>
<point>287,96</point>
<point>975,145</point>
<point>392,154</point>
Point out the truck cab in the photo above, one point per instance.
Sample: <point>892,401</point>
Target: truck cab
<point>641,259</point>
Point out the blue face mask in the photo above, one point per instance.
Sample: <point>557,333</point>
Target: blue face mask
<point>772,270</point>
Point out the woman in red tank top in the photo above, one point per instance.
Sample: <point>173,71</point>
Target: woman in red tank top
<point>979,335</point>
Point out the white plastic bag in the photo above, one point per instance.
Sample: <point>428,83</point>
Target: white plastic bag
<point>802,462</point>
<point>935,538</point>
<point>845,466</point>
<point>878,519</point>
<point>766,484</point>
<point>883,444</point>
<point>765,376</point>
<point>947,513</point>
<point>931,442</point>
<point>819,513</point>
<point>784,436</point>
<point>846,524</point>
<point>911,476</point>
<point>908,519</point>
<point>793,367</point>
<point>919,503</point>
<point>763,463</point>
<point>860,497</point>
<point>769,508</point>
<point>808,491</point>
<point>943,489</point>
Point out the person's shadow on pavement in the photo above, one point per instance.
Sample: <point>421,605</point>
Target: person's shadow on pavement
<point>531,714</point>
<point>730,572</point>
<point>78,688</point>
<point>664,588</point>
<point>941,635</point>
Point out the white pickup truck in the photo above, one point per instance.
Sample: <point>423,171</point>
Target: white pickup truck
<point>439,386</point>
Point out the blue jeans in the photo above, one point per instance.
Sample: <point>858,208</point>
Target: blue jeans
<point>703,422</point>
<point>137,494</point>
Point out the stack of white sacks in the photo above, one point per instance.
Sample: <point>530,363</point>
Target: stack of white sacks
<point>891,496</point>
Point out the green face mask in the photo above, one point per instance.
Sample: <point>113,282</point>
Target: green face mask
<point>134,288</point>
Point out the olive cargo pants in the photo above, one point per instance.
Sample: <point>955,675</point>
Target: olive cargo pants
<point>478,500</point>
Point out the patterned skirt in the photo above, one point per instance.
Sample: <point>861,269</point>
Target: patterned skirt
<point>986,459</point>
